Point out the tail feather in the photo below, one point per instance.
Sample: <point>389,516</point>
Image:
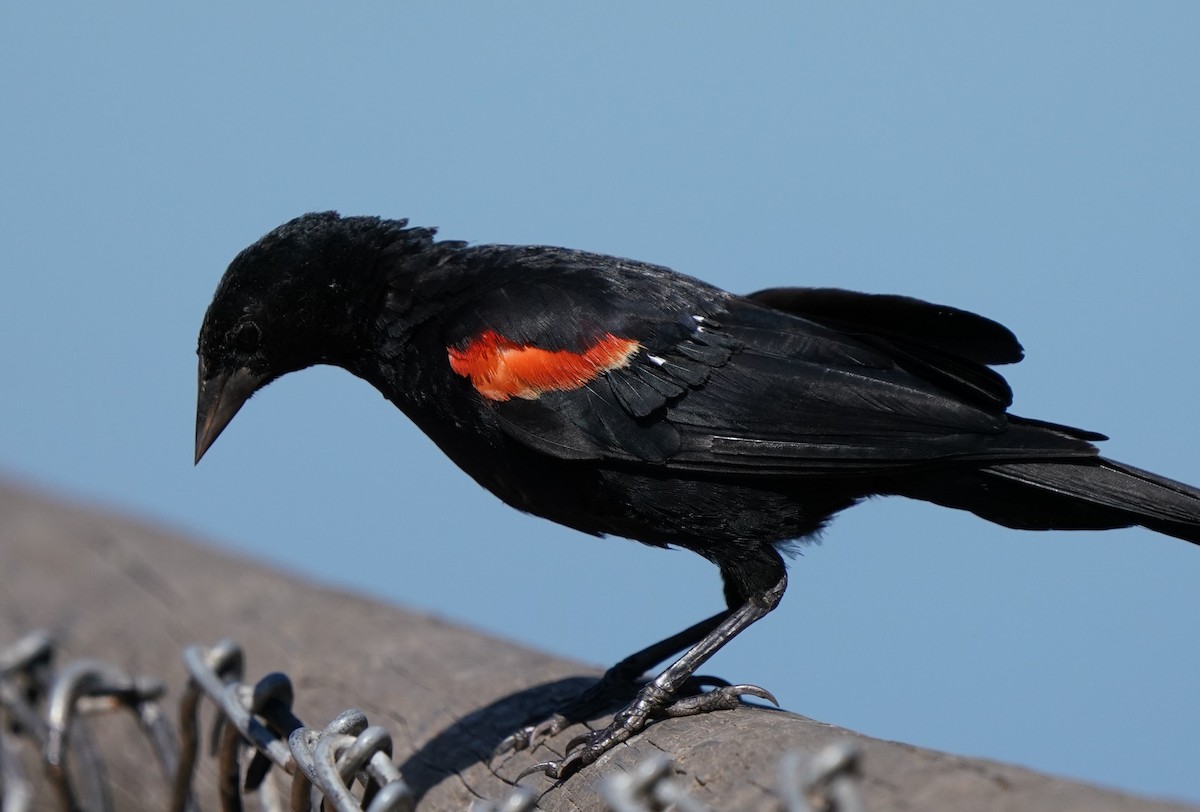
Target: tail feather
<point>1147,499</point>
<point>1080,494</point>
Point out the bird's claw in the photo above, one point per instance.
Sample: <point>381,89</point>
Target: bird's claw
<point>530,736</point>
<point>563,768</point>
<point>725,697</point>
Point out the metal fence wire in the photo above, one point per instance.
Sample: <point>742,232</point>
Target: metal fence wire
<point>347,766</point>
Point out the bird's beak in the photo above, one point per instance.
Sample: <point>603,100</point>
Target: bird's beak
<point>219,399</point>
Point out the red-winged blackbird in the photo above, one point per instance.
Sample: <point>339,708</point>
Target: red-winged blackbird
<point>623,398</point>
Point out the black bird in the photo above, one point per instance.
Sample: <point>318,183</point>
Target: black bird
<point>618,397</point>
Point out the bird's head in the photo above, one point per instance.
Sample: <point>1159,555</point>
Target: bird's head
<point>289,301</point>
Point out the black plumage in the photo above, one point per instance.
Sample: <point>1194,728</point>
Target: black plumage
<point>618,397</point>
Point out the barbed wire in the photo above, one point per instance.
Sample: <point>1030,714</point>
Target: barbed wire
<point>47,707</point>
<point>28,681</point>
<point>327,761</point>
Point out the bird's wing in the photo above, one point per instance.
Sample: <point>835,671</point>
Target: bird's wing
<point>946,345</point>
<point>800,397</point>
<point>967,335</point>
<point>636,364</point>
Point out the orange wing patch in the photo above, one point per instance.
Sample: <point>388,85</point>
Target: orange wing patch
<point>501,369</point>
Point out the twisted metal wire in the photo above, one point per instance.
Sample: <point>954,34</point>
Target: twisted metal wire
<point>49,707</point>
<point>328,761</point>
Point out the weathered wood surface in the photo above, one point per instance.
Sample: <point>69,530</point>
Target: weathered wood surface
<point>134,594</point>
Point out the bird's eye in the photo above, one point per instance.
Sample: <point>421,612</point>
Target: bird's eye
<point>245,337</point>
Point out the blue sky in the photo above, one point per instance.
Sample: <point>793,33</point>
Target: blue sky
<point>1036,162</point>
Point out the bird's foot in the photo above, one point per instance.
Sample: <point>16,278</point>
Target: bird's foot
<point>583,750</point>
<point>651,702</point>
<point>614,687</point>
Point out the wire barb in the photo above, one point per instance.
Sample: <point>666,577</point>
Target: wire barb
<point>828,779</point>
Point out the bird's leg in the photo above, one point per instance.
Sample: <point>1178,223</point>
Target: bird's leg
<point>618,684</point>
<point>657,697</point>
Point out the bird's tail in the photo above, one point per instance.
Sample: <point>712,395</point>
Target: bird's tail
<point>1090,493</point>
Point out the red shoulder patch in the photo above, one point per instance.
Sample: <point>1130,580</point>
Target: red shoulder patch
<point>501,369</point>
